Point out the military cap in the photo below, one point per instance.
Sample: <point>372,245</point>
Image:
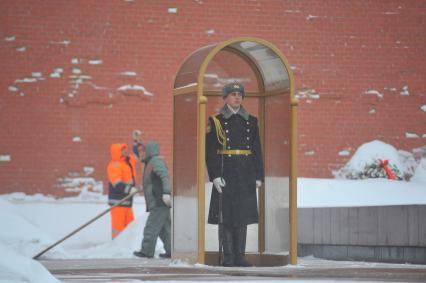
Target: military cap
<point>233,87</point>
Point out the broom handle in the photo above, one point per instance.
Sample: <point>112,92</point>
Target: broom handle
<point>85,225</point>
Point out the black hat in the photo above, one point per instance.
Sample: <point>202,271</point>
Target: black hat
<point>233,87</point>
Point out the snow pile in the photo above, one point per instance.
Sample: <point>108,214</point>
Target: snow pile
<point>19,241</point>
<point>15,267</point>
<point>34,222</point>
<point>365,163</point>
<point>21,235</point>
<point>420,174</point>
<point>359,193</point>
<point>39,221</point>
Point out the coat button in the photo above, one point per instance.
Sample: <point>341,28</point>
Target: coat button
<point>248,130</point>
<point>229,155</point>
<point>227,139</point>
<point>248,138</point>
<point>227,131</point>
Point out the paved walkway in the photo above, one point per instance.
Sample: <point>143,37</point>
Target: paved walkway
<point>122,270</point>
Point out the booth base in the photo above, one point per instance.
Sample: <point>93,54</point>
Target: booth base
<point>257,259</point>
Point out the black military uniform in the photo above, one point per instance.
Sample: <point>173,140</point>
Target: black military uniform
<point>233,152</point>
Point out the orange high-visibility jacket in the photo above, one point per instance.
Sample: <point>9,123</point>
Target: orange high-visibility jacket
<point>121,175</point>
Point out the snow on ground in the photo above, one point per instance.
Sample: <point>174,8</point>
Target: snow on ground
<point>35,222</point>
<point>352,193</point>
<point>15,267</point>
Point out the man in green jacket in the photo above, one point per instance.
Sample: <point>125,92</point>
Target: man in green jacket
<point>157,190</point>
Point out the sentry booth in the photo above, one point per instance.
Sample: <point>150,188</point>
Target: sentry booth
<point>269,84</point>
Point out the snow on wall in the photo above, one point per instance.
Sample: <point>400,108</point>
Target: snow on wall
<point>76,56</point>
<point>307,93</point>
<point>81,183</point>
<point>78,77</point>
<point>5,158</point>
<point>409,135</point>
<point>134,88</point>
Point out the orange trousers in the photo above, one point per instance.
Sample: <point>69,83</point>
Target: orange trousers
<point>120,218</point>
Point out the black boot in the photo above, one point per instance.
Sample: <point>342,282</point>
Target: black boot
<point>141,254</point>
<point>239,236</point>
<point>228,251</point>
<point>166,255</point>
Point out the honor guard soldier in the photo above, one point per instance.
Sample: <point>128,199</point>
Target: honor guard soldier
<point>235,166</point>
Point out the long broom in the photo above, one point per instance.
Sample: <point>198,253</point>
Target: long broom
<point>84,225</point>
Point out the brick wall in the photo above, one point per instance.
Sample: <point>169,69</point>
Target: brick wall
<point>68,67</point>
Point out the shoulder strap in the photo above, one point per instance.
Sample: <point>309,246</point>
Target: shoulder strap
<point>220,133</point>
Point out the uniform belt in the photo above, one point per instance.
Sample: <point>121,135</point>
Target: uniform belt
<point>235,151</point>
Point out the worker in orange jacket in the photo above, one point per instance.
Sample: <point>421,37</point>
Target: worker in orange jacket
<point>121,175</point>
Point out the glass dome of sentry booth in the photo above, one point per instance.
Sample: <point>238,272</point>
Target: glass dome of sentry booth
<point>269,87</point>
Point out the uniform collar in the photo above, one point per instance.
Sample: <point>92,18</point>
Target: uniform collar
<point>227,113</point>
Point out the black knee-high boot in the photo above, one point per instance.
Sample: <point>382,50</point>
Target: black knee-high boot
<point>228,247</point>
<point>240,236</point>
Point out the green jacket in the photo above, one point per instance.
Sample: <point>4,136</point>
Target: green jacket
<point>156,181</point>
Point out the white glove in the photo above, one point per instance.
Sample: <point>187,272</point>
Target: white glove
<point>167,200</point>
<point>133,190</point>
<point>258,184</point>
<point>136,135</point>
<point>219,183</point>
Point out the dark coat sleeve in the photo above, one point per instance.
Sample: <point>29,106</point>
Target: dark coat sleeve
<point>213,159</point>
<point>257,153</point>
